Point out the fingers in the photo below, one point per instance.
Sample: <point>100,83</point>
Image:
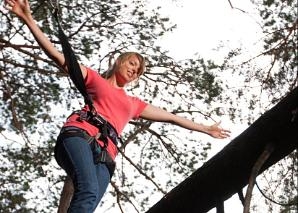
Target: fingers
<point>9,4</point>
<point>221,136</point>
<point>226,131</point>
<point>219,132</point>
<point>222,133</point>
<point>20,8</point>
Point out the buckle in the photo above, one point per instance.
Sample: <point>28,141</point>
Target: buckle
<point>103,156</point>
<point>83,115</point>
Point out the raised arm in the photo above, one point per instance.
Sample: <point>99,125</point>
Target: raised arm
<point>22,9</point>
<point>157,114</point>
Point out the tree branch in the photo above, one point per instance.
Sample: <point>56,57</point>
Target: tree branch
<point>119,193</point>
<point>141,172</point>
<point>255,171</point>
<point>66,195</point>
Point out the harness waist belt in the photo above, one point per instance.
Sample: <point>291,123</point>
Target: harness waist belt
<point>107,129</point>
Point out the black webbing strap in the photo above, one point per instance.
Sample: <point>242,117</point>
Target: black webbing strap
<point>72,64</point>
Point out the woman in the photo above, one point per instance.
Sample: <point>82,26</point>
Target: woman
<point>80,143</point>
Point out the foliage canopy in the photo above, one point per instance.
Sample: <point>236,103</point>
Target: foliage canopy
<point>36,96</point>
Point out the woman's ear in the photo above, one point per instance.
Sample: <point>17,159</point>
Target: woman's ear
<point>117,63</point>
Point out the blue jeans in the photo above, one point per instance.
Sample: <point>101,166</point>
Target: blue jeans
<point>90,180</point>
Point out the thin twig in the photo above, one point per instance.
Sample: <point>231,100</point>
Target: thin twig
<point>119,193</point>
<point>294,202</point>
<point>141,172</point>
<point>231,4</point>
<point>235,7</point>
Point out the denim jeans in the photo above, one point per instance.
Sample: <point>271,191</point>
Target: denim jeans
<point>90,180</point>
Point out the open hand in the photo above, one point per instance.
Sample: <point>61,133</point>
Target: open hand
<point>217,132</point>
<point>19,7</point>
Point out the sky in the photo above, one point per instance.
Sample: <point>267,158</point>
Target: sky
<point>202,26</point>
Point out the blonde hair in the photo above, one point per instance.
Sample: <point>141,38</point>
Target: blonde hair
<point>123,57</point>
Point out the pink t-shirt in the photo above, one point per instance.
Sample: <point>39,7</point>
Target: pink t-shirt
<point>112,103</point>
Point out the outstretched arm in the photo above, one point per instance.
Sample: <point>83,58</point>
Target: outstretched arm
<point>22,9</point>
<point>157,114</point>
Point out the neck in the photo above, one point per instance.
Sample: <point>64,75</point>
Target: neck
<point>115,83</point>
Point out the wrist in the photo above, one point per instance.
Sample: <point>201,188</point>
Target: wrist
<point>27,18</point>
<point>206,129</point>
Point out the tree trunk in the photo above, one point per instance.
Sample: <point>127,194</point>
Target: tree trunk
<point>228,172</point>
<point>66,195</point>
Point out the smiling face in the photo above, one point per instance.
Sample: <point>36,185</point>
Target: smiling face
<point>127,68</point>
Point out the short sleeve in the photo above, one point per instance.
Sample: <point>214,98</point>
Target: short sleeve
<point>139,106</point>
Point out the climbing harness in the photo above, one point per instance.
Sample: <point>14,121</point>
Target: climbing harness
<point>106,129</point>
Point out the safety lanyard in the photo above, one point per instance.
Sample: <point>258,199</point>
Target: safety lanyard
<point>72,64</point>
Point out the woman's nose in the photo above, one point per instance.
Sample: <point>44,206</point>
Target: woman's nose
<point>134,70</point>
